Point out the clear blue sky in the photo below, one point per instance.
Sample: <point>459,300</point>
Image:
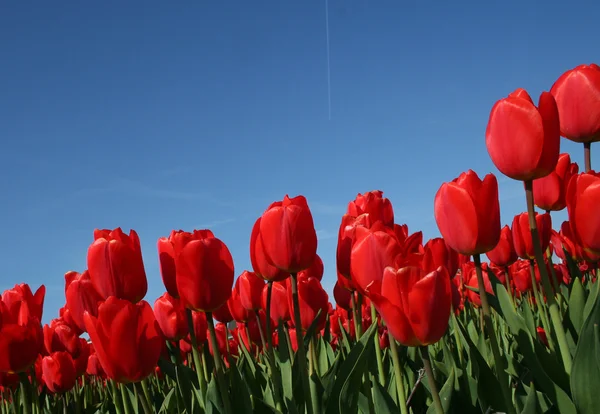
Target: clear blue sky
<point>154,115</point>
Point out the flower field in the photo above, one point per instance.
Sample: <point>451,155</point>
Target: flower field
<point>487,318</point>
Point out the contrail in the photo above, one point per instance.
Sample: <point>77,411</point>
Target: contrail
<point>328,63</point>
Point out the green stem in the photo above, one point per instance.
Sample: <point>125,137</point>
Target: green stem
<point>398,374</point>
<point>275,373</point>
<point>487,316</point>
<point>143,399</point>
<point>300,342</point>
<point>539,300</point>
<point>25,393</point>
<point>124,399</point>
<point>587,156</point>
<point>357,324</point>
<point>552,305</point>
<point>313,370</point>
<point>507,285</point>
<point>437,402</point>
<point>76,400</point>
<point>195,353</point>
<point>378,349</point>
<point>144,384</point>
<point>224,389</point>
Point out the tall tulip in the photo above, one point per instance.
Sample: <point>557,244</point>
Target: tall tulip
<point>170,315</point>
<point>126,338</point>
<point>258,258</point>
<point>115,265</point>
<point>251,288</point>
<point>523,140</point>
<point>415,305</point>
<point>288,234</point>
<point>504,253</point>
<point>59,372</point>
<point>467,212</point>
<point>166,256</point>
<point>549,192</point>
<point>374,204</point>
<point>521,235</point>
<point>583,199</point>
<point>577,94</point>
<point>204,269</point>
<point>372,251</point>
<point>82,297</point>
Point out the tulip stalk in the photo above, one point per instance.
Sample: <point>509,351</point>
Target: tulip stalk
<point>552,304</point>
<point>539,300</point>
<point>195,353</point>
<point>124,399</point>
<point>25,394</point>
<point>300,342</point>
<point>437,402</point>
<point>587,156</point>
<point>489,327</point>
<point>398,374</point>
<point>224,389</point>
<point>378,349</point>
<point>143,398</point>
<point>276,375</point>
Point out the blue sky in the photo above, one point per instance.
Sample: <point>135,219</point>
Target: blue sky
<point>158,116</point>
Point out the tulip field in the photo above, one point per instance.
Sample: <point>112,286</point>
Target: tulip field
<point>488,318</point>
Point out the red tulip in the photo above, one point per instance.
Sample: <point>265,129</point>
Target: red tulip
<point>312,298</point>
<point>66,317</point>
<point>13,299</point>
<point>577,94</point>
<point>438,253</point>
<point>170,315</point>
<point>60,337</point>
<point>504,253</point>
<point>549,192</point>
<point>204,269</point>
<point>21,337</point>
<point>583,199</point>
<point>346,236</point>
<point>222,314</point>
<point>471,279</point>
<point>342,296</point>
<point>166,256</point>
<point>520,274</point>
<point>94,367</point>
<point>523,141</point>
<point>260,264</point>
<point>375,205</point>
<point>280,309</point>
<point>200,326</point>
<point>81,359</point>
<point>522,235</point>
<point>315,270</point>
<point>251,288</point>
<point>234,303</point>
<point>467,212</point>
<point>82,297</point>
<point>414,305</point>
<point>288,235</point>
<point>126,338</point>
<point>542,335</point>
<point>59,372</point>
<point>372,251</point>
<point>115,265</point>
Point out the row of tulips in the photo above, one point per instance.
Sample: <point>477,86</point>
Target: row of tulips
<point>416,327</point>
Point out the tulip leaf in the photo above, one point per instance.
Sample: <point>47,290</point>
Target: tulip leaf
<point>310,332</point>
<point>591,300</point>
<point>585,375</point>
<point>213,398</point>
<point>169,403</point>
<point>445,393</point>
<point>382,401</point>
<point>487,384</point>
<point>528,317</point>
<point>576,305</point>
<point>531,403</point>
<point>285,363</point>
<point>344,394</point>
<point>241,403</point>
<point>323,356</point>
